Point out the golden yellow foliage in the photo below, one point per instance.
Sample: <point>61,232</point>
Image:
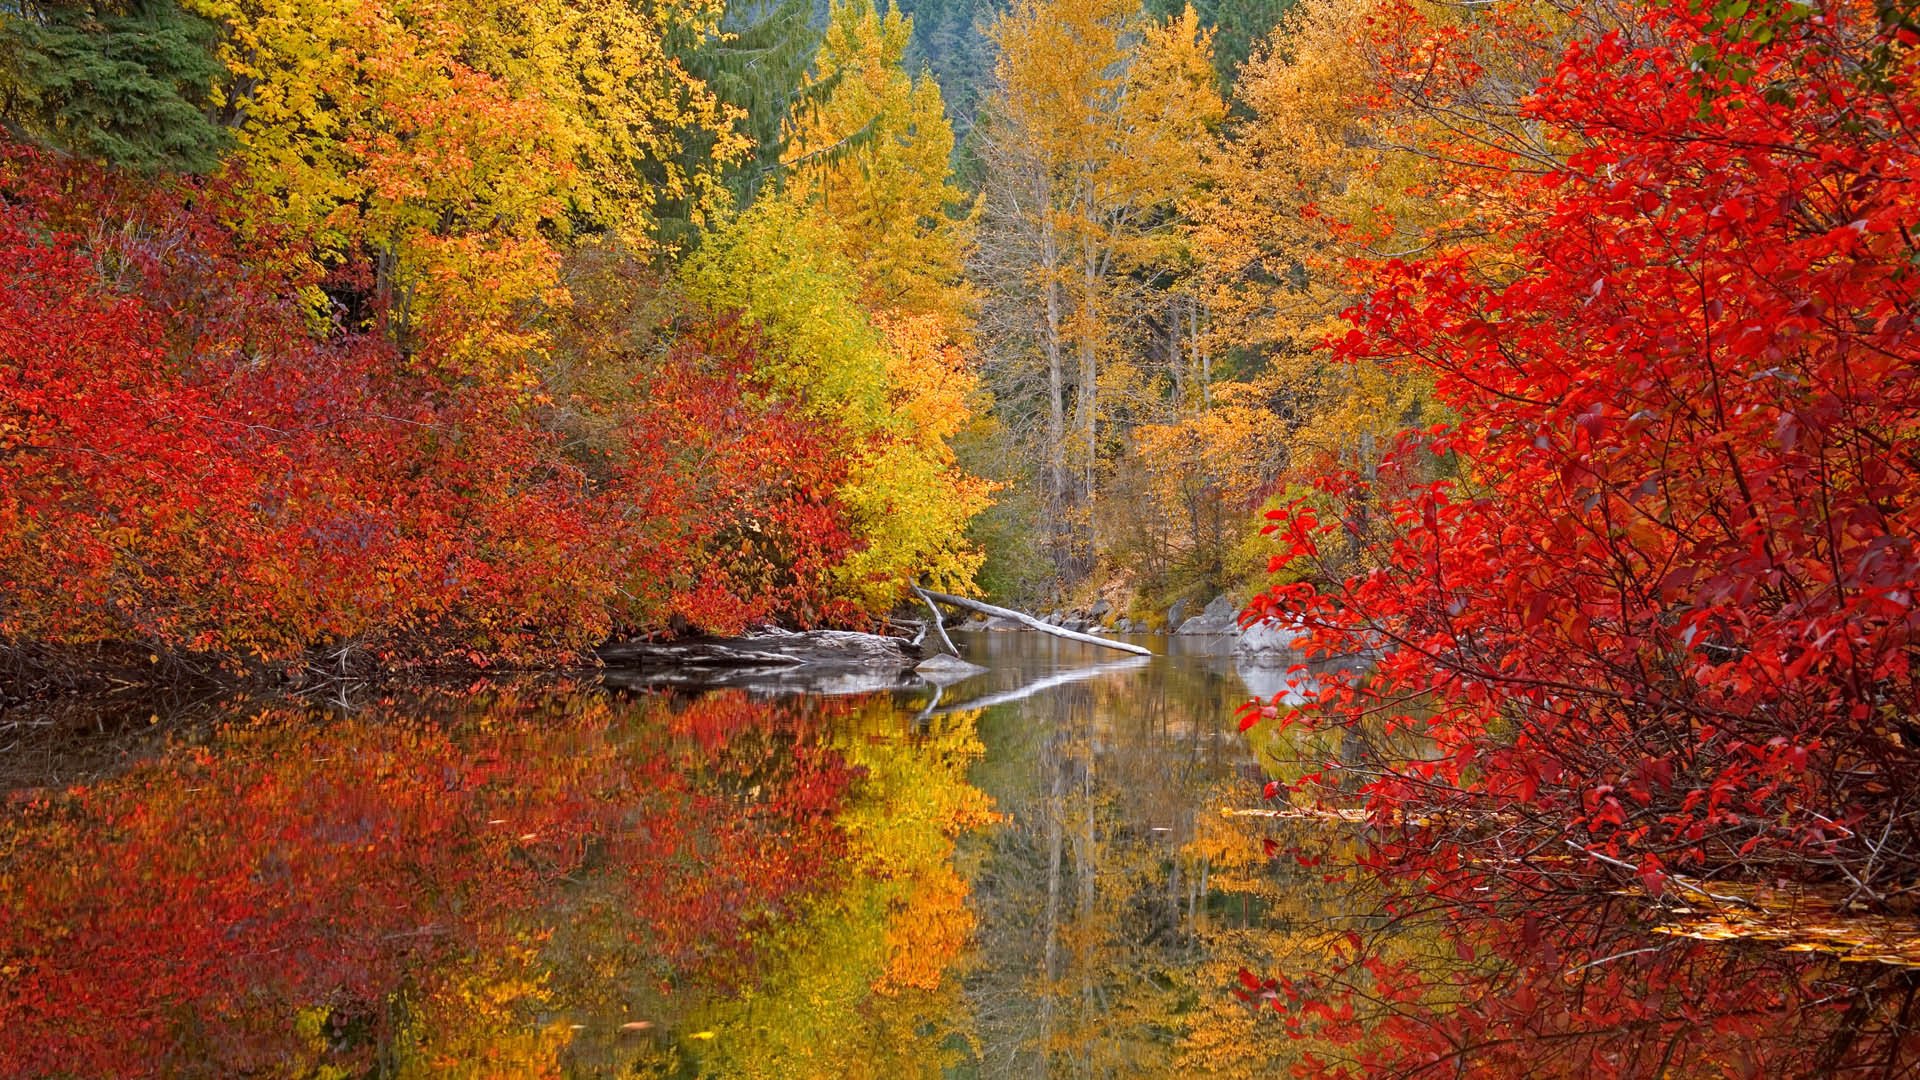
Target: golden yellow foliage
<point>873,157</point>
<point>441,147</point>
<point>895,383</point>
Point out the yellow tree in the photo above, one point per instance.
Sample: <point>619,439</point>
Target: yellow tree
<point>623,109</point>
<point>432,152</point>
<point>893,384</point>
<point>1308,160</point>
<point>1342,155</point>
<point>1092,144</point>
<point>856,271</point>
<point>873,155</point>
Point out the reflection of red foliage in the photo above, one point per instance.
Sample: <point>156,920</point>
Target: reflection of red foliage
<point>1670,611</point>
<point>1532,987</point>
<point>181,914</point>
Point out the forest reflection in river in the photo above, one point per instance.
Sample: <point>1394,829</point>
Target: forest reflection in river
<point>1063,867</point>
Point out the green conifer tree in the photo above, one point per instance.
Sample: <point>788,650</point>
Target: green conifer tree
<point>121,82</point>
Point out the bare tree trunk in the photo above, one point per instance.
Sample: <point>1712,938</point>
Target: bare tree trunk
<point>1086,405</point>
<point>1057,493</point>
<point>1203,359</point>
<point>1030,621</point>
<point>938,627</point>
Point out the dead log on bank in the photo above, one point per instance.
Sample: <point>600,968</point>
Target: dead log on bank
<point>768,648</point>
<point>1031,622</point>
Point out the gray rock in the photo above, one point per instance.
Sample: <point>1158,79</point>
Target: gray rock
<point>997,623</point>
<point>1269,644</point>
<point>1099,608</point>
<point>944,670</point>
<point>1123,625</point>
<point>1176,614</point>
<point>1219,619</point>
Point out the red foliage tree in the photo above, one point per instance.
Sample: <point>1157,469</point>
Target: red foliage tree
<point>1665,608</point>
<point>183,465</point>
<point>186,466</point>
<point>731,492</point>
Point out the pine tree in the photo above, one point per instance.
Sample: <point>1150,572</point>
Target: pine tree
<point>1238,26</point>
<point>757,64</point>
<point>124,83</point>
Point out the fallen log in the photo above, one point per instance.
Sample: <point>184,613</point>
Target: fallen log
<point>770,660</point>
<point>1029,621</point>
<point>770,648</point>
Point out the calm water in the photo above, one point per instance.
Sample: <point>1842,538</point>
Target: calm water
<point>1059,868</point>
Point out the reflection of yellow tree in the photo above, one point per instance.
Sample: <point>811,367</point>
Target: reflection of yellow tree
<point>1284,900</point>
<point>1086,905</point>
<point>866,985</point>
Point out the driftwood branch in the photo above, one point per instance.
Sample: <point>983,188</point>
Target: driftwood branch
<point>938,626</point>
<point>1028,620</point>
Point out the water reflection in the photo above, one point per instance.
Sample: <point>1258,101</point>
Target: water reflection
<point>1062,867</point>
<point>1090,896</point>
<point>518,881</point>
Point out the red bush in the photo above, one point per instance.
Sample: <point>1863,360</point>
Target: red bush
<point>1668,609</point>
<point>186,465</point>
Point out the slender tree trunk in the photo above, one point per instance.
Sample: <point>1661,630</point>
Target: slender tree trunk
<point>1057,490</point>
<point>1202,359</point>
<point>1050,949</point>
<point>1086,334</point>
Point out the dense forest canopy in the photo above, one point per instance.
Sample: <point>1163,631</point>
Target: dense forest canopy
<point>459,332</point>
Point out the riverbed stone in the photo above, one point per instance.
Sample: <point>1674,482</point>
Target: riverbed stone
<point>1176,614</point>
<point>944,670</point>
<point>1218,619</point>
<point>1269,644</point>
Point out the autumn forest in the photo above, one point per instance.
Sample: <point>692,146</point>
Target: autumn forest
<point>1532,386</point>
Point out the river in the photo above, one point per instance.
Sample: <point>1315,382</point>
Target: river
<point>1063,867</point>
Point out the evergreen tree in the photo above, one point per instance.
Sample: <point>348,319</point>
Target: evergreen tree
<point>757,64</point>
<point>950,40</point>
<point>124,83</point>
